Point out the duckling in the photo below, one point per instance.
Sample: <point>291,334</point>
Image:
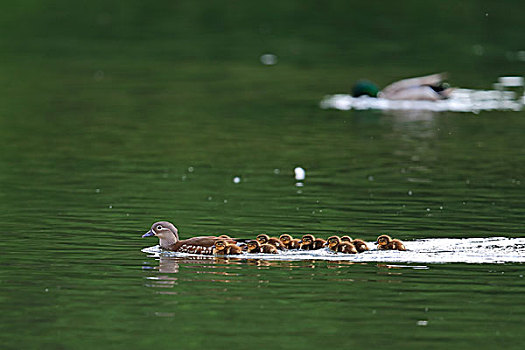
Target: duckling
<point>346,238</point>
<point>265,239</point>
<point>360,245</point>
<point>289,242</point>
<point>335,244</point>
<point>386,242</point>
<point>256,247</point>
<point>222,247</point>
<point>309,242</point>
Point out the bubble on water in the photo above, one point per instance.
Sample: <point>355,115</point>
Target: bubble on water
<point>97,190</point>
<point>478,50</point>
<point>99,75</point>
<point>441,207</point>
<point>276,171</point>
<point>428,209</point>
<point>299,184</point>
<point>183,177</point>
<point>190,169</point>
<point>210,198</point>
<point>225,201</point>
<point>422,323</point>
<point>46,290</point>
<point>110,207</point>
<point>409,193</point>
<point>268,59</point>
<point>236,180</point>
<point>370,178</point>
<point>300,173</point>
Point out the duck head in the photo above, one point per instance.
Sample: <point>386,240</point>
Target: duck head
<point>366,88</point>
<point>285,238</point>
<point>307,240</point>
<point>253,246</point>
<point>262,238</point>
<point>346,238</point>
<point>165,231</point>
<point>332,242</point>
<point>219,246</point>
<point>383,240</point>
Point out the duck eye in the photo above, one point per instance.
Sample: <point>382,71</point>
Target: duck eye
<point>159,228</point>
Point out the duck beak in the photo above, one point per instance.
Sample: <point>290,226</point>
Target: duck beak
<point>324,245</point>
<point>148,234</point>
<point>376,243</point>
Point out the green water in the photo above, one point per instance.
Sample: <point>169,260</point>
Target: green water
<point>116,114</point>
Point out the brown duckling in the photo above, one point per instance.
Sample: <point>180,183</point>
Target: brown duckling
<point>256,247</point>
<point>360,245</point>
<point>168,237</point>
<point>309,242</point>
<point>386,242</point>
<point>265,239</point>
<point>335,244</point>
<point>346,238</point>
<point>289,242</point>
<point>222,247</point>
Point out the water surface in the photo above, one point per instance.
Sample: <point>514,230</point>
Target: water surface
<point>113,116</point>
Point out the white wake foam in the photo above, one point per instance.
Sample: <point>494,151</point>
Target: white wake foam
<point>431,251</point>
<point>461,100</point>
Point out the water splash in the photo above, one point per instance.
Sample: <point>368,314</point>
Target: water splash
<point>461,100</point>
<point>495,250</point>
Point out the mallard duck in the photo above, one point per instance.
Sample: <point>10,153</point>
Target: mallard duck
<point>335,244</point>
<point>265,239</point>
<point>256,247</point>
<point>429,87</point>
<point>169,239</point>
<point>309,242</point>
<point>386,242</point>
<point>289,242</point>
<point>222,247</point>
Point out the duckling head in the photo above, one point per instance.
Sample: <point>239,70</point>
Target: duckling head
<point>346,238</point>
<point>306,240</point>
<point>383,240</point>
<point>165,231</point>
<point>220,245</point>
<point>285,238</point>
<point>252,245</point>
<point>333,242</point>
<point>224,237</point>
<point>262,238</point>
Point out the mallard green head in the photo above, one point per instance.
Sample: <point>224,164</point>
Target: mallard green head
<point>365,87</point>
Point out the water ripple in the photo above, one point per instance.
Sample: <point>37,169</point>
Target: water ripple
<point>494,250</point>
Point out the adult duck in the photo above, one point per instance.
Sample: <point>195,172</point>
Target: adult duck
<point>169,239</point>
<point>429,87</point>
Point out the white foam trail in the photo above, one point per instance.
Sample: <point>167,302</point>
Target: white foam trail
<point>461,100</point>
<point>493,250</point>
